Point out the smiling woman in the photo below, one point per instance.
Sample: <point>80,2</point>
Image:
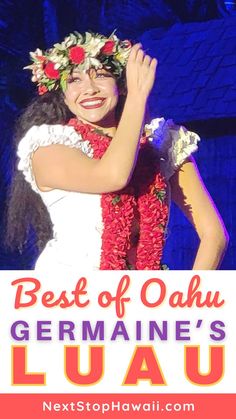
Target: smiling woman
<point>93,178</point>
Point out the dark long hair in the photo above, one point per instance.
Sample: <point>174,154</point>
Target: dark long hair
<point>25,208</point>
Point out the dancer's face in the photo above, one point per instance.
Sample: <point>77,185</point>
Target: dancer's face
<point>93,96</point>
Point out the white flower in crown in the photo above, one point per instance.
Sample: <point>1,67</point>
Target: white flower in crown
<point>93,45</point>
<point>91,62</point>
<point>68,42</point>
<point>36,54</point>
<point>60,62</point>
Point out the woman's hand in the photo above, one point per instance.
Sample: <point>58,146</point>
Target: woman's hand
<point>140,72</point>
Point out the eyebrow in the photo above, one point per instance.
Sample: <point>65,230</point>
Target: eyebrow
<point>101,70</point>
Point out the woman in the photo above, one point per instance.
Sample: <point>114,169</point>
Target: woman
<point>101,178</point>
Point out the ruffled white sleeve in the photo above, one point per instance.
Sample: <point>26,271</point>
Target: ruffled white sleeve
<point>45,135</point>
<point>173,142</point>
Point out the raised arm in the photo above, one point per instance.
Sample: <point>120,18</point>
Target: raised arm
<point>190,194</point>
<point>61,167</point>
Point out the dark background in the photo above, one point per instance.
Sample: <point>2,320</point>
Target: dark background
<point>195,42</point>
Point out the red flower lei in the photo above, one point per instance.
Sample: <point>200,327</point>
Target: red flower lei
<point>145,197</point>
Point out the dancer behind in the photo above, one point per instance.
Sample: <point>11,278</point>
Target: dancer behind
<point>93,179</point>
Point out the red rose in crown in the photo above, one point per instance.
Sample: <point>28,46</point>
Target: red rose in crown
<point>76,54</point>
<point>50,71</point>
<point>108,48</point>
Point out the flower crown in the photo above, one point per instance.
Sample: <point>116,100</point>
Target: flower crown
<point>51,68</point>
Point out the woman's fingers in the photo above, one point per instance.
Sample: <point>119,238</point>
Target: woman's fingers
<point>147,60</point>
<point>140,56</point>
<point>134,50</point>
<point>154,63</point>
<point>140,72</point>
<point>153,66</point>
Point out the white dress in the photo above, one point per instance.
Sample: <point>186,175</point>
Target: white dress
<point>76,217</point>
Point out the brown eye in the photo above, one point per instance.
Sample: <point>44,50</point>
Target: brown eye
<point>74,80</point>
<point>102,75</point>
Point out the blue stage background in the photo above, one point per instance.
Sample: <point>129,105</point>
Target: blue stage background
<point>195,44</point>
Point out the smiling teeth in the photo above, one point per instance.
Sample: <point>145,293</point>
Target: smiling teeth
<point>93,102</point>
